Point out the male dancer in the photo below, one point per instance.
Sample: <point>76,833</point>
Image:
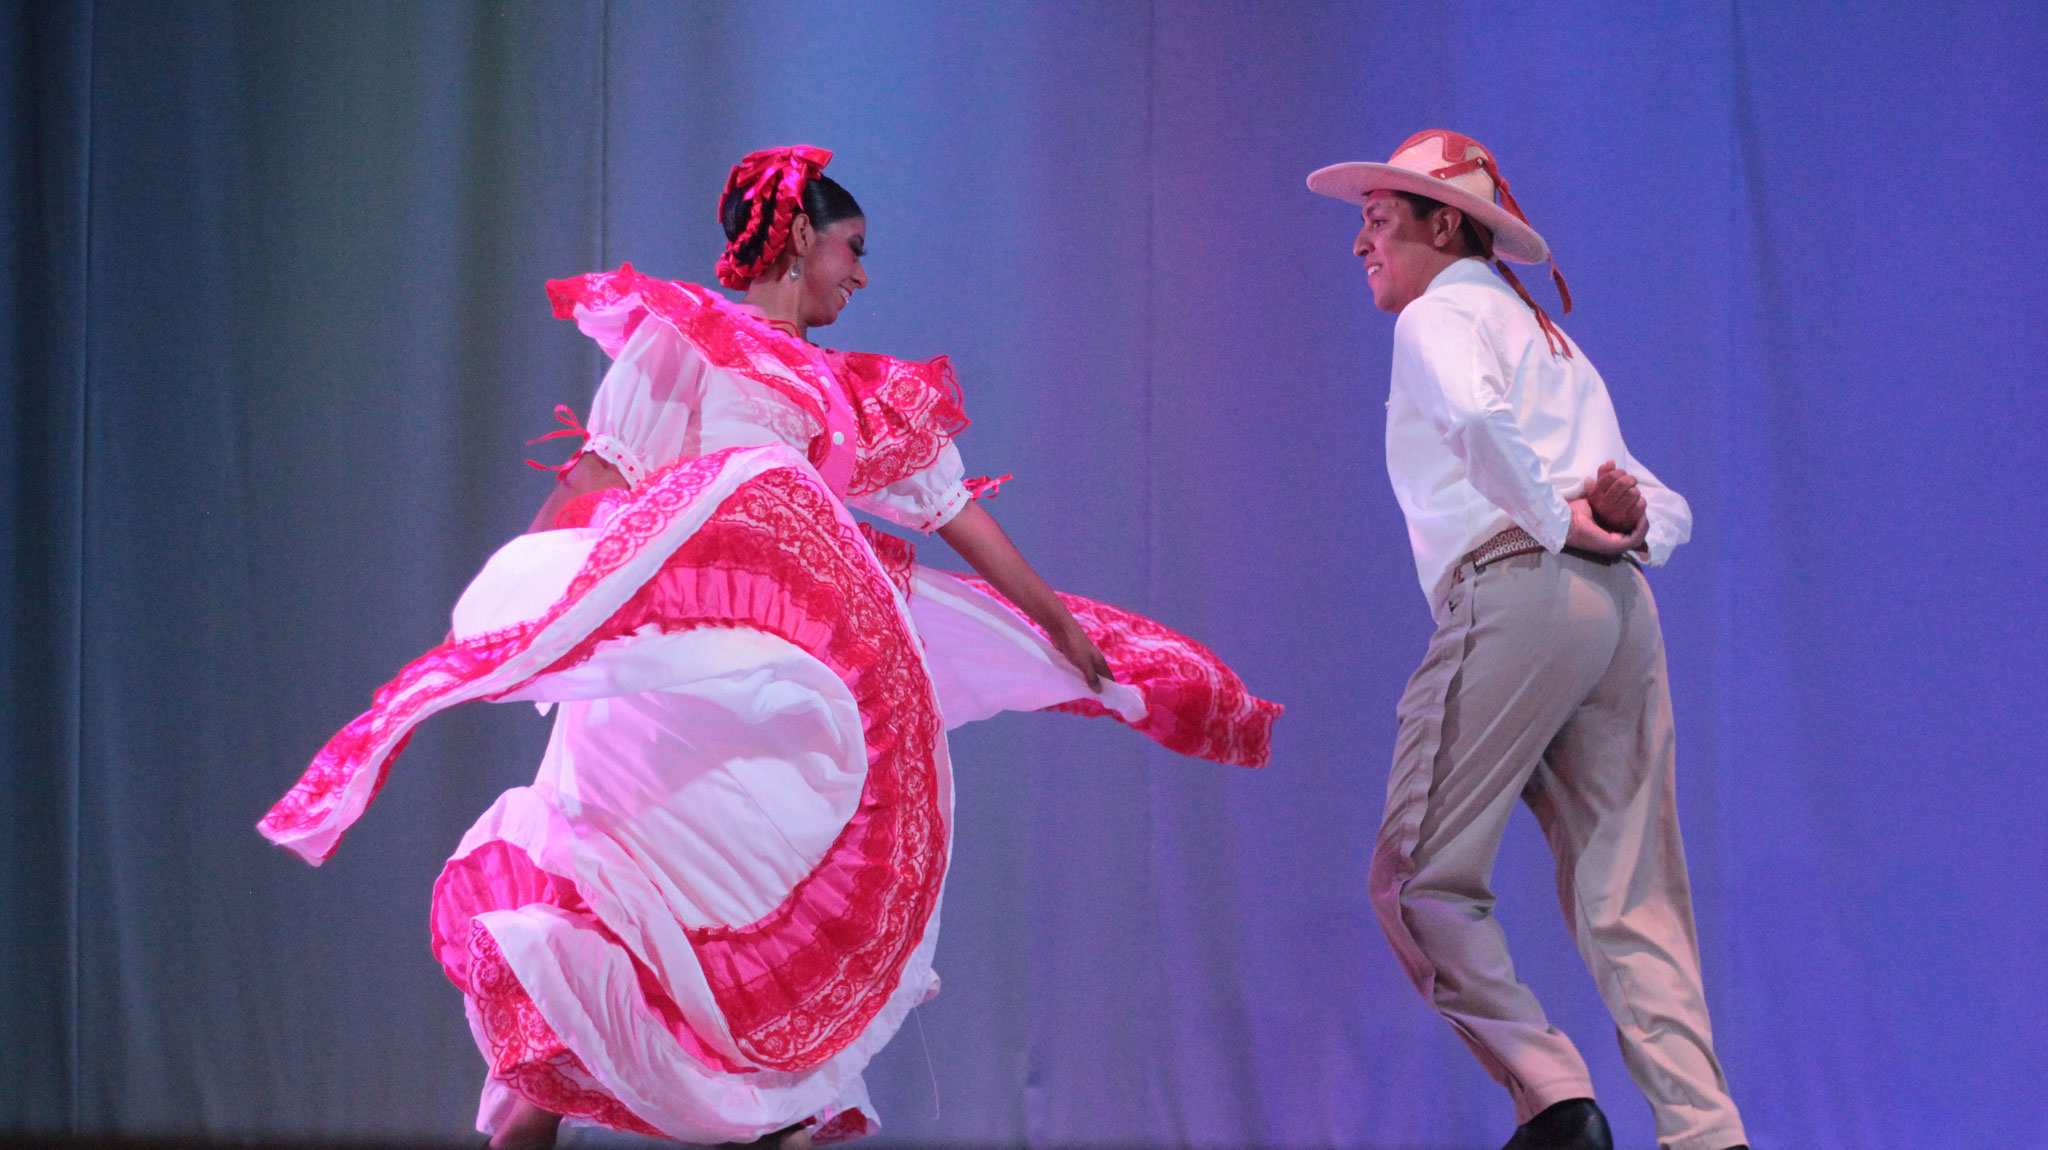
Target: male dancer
<point>1545,678</point>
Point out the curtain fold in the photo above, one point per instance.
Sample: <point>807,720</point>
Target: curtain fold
<point>46,71</point>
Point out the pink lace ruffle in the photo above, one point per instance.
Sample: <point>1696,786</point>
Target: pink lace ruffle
<point>311,818</point>
<point>803,982</point>
<point>726,336</point>
<point>905,412</point>
<point>526,1054</point>
<point>898,556</point>
<point>500,876</point>
<point>1195,704</point>
<point>799,985</point>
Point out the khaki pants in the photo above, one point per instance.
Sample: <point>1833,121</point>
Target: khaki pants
<point>1545,681</point>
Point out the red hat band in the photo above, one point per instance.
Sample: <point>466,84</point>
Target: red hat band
<point>1464,154</point>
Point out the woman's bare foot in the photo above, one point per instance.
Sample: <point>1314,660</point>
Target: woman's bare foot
<point>530,1128</point>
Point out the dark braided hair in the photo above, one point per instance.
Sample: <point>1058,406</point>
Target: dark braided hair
<point>823,200</point>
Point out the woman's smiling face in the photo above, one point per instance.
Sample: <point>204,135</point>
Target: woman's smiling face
<point>832,270</point>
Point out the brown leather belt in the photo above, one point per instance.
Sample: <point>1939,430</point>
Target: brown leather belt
<point>1506,545</point>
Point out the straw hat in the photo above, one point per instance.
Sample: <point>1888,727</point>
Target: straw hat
<point>1445,166</point>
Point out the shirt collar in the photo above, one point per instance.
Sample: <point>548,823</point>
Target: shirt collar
<point>1469,270</point>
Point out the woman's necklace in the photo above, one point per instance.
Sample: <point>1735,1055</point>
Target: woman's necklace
<point>784,326</point>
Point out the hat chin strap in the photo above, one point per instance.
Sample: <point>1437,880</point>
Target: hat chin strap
<point>1551,335</point>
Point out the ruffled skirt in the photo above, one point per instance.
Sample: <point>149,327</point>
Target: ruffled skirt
<point>720,896</point>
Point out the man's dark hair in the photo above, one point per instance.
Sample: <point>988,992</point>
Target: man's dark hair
<point>1477,240</point>
<point>823,200</point>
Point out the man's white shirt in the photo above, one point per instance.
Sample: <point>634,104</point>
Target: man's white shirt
<point>1487,428</point>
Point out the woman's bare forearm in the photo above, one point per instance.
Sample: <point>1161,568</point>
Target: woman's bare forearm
<point>987,548</point>
<point>980,540</point>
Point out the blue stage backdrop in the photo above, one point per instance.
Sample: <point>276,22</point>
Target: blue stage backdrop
<point>276,333</point>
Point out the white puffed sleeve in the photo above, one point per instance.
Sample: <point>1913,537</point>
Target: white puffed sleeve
<point>645,413</point>
<point>662,401</point>
<point>927,499</point>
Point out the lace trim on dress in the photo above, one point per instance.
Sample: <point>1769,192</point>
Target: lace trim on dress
<point>526,1054</point>
<point>499,876</point>
<point>728,337</point>
<point>1195,704</point>
<point>898,556</point>
<point>320,803</point>
<point>590,508</point>
<point>800,984</point>
<point>906,412</point>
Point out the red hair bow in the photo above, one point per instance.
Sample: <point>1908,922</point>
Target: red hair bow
<point>772,176</point>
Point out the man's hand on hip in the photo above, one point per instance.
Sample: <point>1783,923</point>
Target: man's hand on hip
<point>1586,534</point>
<point>1617,504</point>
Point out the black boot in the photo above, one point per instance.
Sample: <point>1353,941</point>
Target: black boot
<point>1574,1124</point>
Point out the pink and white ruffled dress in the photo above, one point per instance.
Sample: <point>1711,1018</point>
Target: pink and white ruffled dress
<point>721,894</point>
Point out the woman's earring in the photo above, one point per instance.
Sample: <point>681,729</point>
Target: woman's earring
<point>796,269</point>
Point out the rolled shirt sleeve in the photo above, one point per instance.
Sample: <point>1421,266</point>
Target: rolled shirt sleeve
<point>1670,514</point>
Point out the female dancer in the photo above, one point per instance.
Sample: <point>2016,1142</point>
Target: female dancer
<point>721,894</point>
